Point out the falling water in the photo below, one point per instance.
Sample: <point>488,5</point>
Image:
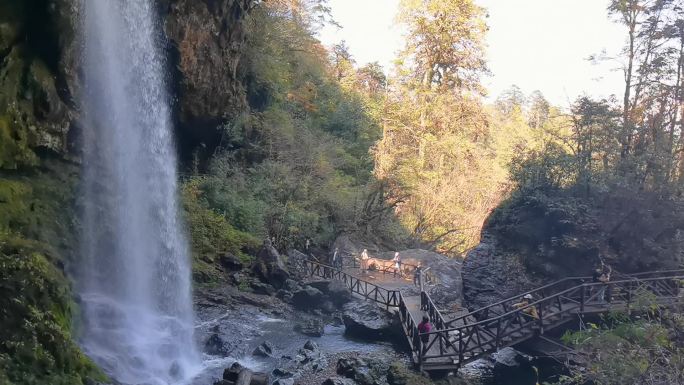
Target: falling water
<point>135,281</point>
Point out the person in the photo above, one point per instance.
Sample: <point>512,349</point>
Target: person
<point>423,328</point>
<point>308,243</point>
<point>364,261</point>
<point>336,258</point>
<point>524,305</point>
<point>397,263</point>
<point>604,278</point>
<point>416,275</point>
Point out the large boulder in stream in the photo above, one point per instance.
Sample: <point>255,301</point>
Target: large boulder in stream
<point>269,266</point>
<point>366,320</point>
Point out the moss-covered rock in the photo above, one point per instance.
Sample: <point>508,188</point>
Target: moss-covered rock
<point>35,314</point>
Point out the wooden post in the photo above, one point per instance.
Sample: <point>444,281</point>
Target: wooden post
<point>582,297</point>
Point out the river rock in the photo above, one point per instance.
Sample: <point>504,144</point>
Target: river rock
<point>231,374</point>
<point>312,328</point>
<point>216,346</point>
<point>361,371</point>
<point>338,381</point>
<point>310,345</point>
<point>264,350</point>
<point>513,367</point>
<point>366,320</point>
<point>284,381</point>
<point>262,288</point>
<point>308,298</point>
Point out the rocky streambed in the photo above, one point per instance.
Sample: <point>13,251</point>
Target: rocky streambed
<point>296,331</point>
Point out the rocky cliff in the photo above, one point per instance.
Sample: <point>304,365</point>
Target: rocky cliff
<point>535,238</point>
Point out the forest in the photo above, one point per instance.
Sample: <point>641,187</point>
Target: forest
<point>281,137</point>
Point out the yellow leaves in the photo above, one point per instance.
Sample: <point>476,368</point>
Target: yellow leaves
<point>305,95</point>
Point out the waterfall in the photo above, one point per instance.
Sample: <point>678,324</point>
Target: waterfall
<point>134,282</point>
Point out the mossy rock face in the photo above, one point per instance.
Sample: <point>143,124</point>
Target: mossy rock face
<point>35,311</point>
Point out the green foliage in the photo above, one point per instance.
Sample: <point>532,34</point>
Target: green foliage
<point>297,166</point>
<point>211,235</point>
<point>36,310</point>
<point>627,352</point>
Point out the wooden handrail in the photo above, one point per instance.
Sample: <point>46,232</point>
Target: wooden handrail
<point>463,343</point>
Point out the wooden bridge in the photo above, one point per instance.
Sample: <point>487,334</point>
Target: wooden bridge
<point>457,341</point>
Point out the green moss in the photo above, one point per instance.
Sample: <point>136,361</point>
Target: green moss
<point>35,311</point>
<point>13,206</point>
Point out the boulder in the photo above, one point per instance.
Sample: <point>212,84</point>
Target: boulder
<point>264,350</point>
<point>262,288</point>
<point>336,291</point>
<point>308,298</point>
<point>310,345</point>
<point>269,266</point>
<point>311,328</point>
<point>215,346</point>
<point>361,371</point>
<point>513,367</point>
<point>366,320</point>
<point>231,374</point>
<point>230,262</point>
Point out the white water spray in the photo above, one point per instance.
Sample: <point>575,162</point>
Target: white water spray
<point>135,281</point>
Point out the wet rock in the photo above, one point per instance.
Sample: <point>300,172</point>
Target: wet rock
<point>310,345</point>
<point>363,372</point>
<point>308,298</point>
<point>216,346</point>
<point>284,381</point>
<point>284,295</point>
<point>264,350</point>
<point>259,379</point>
<point>231,374</point>
<point>366,320</point>
<point>282,373</point>
<point>262,288</point>
<point>311,328</point>
<point>513,367</point>
<point>231,262</point>
<point>338,381</point>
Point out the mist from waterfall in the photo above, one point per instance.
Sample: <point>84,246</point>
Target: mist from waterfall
<point>134,282</point>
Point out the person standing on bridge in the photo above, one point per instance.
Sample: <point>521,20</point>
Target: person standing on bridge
<point>364,261</point>
<point>397,264</point>
<point>336,259</point>
<point>423,328</point>
<point>605,279</point>
<point>417,275</point>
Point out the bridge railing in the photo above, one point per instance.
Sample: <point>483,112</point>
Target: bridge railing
<point>469,341</point>
<point>498,308</point>
<point>369,290</point>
